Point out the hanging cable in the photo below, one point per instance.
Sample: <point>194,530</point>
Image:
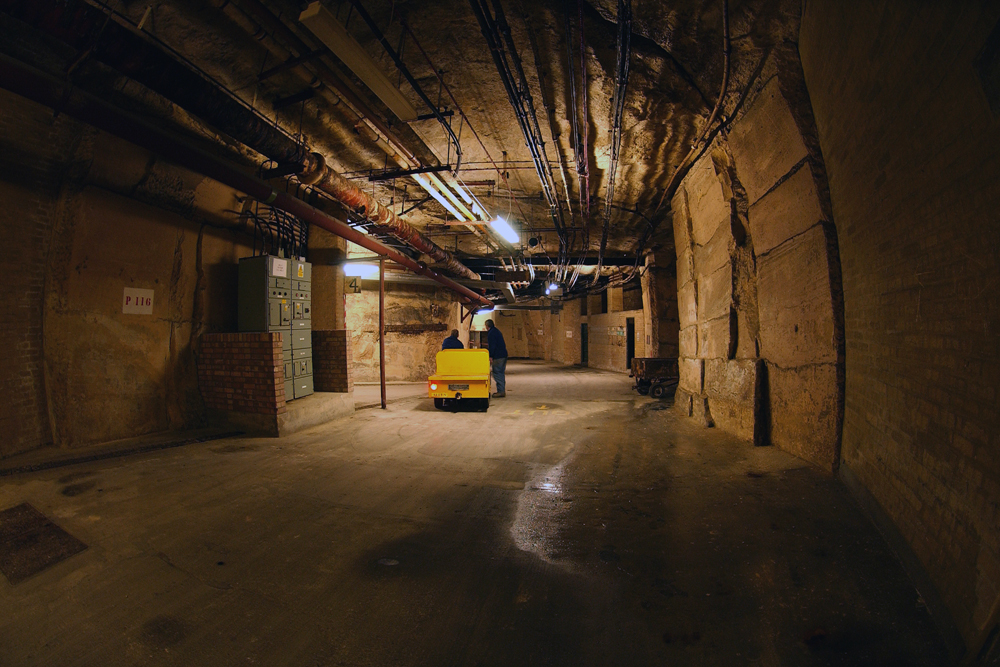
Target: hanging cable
<point>618,106</point>
<point>520,99</point>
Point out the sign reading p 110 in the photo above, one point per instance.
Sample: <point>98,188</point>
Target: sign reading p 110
<point>137,301</point>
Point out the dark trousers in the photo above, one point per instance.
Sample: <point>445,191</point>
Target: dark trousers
<point>499,366</point>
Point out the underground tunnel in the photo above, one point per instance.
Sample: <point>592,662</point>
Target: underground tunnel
<point>723,277</point>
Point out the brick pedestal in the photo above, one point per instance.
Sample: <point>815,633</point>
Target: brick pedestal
<point>332,360</point>
<point>242,373</point>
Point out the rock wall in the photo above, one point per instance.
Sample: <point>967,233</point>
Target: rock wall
<point>902,97</point>
<point>427,314</point>
<point>87,216</point>
<point>758,280</point>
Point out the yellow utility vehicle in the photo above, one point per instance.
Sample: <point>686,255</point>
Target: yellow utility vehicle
<point>462,375</point>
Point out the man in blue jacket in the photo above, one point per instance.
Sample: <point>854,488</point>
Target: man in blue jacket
<point>452,342</point>
<point>498,357</point>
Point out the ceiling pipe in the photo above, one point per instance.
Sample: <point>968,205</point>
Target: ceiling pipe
<point>49,91</point>
<point>371,126</point>
<point>385,219</point>
<point>87,29</point>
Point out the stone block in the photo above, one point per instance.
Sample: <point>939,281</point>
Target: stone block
<point>715,293</point>
<point>707,205</point>
<point>700,411</point>
<point>682,402</point>
<point>786,211</point>
<point>795,303</point>
<point>715,338</point>
<point>687,304</point>
<point>714,254</point>
<point>746,340</point>
<point>685,266</point>
<point>691,374</point>
<point>681,219</point>
<point>766,143</point>
<point>732,389</point>
<point>688,341</point>
<point>804,413</point>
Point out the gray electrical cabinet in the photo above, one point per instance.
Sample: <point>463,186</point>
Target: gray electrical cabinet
<point>275,294</point>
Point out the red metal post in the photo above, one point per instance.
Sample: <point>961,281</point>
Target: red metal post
<point>381,326</point>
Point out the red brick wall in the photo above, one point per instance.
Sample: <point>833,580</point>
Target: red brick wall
<point>242,372</point>
<point>913,155</point>
<point>332,360</point>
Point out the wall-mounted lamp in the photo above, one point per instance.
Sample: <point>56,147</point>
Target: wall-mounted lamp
<point>356,270</point>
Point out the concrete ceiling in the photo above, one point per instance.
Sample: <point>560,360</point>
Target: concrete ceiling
<point>676,68</point>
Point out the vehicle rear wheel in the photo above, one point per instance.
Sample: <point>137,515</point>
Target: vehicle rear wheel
<point>657,390</point>
<point>642,387</point>
<point>484,404</point>
<point>439,403</point>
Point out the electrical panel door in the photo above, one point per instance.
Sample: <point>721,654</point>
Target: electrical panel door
<point>275,295</point>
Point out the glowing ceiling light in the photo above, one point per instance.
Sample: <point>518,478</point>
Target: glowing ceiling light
<point>501,227</point>
<point>360,270</point>
<point>553,286</point>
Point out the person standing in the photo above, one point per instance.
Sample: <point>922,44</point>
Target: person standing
<point>498,357</point>
<point>452,342</point>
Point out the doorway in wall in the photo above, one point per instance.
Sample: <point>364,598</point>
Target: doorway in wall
<point>629,341</point>
<point>583,344</point>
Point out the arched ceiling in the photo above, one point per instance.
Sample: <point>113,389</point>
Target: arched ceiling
<point>675,68</point>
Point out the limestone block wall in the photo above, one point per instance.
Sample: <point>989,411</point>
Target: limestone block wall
<point>797,266</point>
<point>607,339</point>
<point>242,372</point>
<point>720,379</point>
<point>661,321</point>
<point>761,335</point>
<point>912,147</point>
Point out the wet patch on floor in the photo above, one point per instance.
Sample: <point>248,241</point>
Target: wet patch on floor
<point>30,543</point>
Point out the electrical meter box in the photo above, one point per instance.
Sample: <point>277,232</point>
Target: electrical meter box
<point>275,294</point>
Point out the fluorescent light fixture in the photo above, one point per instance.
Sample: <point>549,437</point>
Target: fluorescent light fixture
<point>357,270</point>
<point>501,227</point>
<point>553,286</point>
<point>432,191</point>
<point>485,309</point>
<point>547,291</point>
<point>479,211</point>
<point>328,30</point>
<point>446,191</point>
<point>453,182</point>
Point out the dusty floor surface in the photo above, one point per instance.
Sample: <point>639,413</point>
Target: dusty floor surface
<point>575,523</point>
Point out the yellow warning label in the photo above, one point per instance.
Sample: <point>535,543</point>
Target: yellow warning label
<point>301,274</point>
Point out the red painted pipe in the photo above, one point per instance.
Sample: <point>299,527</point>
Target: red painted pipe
<point>44,89</point>
<point>87,29</point>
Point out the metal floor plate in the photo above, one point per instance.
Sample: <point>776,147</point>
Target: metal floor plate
<point>30,543</point>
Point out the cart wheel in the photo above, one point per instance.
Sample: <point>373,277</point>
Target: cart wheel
<point>657,390</point>
<point>484,404</point>
<point>643,389</point>
<point>439,403</point>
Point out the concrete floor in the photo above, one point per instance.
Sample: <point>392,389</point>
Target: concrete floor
<point>575,523</point>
